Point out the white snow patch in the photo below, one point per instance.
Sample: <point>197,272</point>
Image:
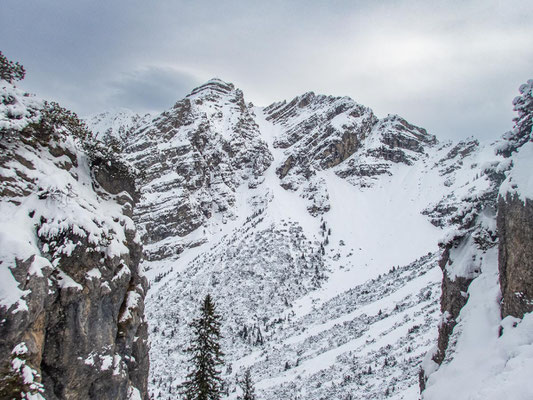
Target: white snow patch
<point>94,274</point>
<point>134,393</point>
<point>485,365</point>
<point>107,362</point>
<point>65,281</point>
<point>520,178</point>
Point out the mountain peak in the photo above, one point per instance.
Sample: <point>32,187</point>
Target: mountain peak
<point>213,85</point>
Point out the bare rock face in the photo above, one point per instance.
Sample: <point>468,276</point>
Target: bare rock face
<point>453,298</point>
<point>515,259</point>
<point>319,131</point>
<point>72,320</point>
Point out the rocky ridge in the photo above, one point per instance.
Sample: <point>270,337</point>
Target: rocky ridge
<point>322,132</point>
<point>72,292</point>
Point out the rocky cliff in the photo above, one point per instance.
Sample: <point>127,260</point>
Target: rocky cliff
<point>515,228</point>
<point>72,292</point>
<point>515,212</point>
<point>193,158</point>
<point>487,285</point>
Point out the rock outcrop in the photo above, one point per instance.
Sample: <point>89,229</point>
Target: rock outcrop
<point>321,132</point>
<point>72,293</point>
<point>515,229</point>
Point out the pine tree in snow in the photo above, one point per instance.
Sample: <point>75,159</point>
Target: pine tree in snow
<point>203,381</point>
<point>523,128</point>
<point>247,386</point>
<point>10,71</point>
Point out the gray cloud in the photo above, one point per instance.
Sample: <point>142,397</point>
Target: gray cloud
<point>452,67</point>
<point>151,88</point>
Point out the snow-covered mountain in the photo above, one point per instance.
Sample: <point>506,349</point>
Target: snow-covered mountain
<point>351,257</point>
<point>322,232</point>
<point>117,124</point>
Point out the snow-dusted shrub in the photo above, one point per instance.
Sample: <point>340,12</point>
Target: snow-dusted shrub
<point>57,120</point>
<point>522,130</point>
<point>34,121</point>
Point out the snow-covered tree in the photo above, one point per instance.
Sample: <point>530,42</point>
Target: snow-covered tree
<point>522,130</point>
<point>203,381</point>
<point>247,386</point>
<point>56,120</point>
<point>10,71</point>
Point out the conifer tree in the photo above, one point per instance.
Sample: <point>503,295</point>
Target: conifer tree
<point>10,71</point>
<point>203,381</point>
<point>247,386</point>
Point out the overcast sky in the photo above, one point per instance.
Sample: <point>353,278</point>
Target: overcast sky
<point>452,67</point>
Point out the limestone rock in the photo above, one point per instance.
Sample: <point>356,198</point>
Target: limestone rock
<point>515,257</point>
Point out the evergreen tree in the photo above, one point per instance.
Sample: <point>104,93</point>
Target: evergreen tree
<point>247,386</point>
<point>523,128</point>
<point>203,381</point>
<point>10,71</point>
